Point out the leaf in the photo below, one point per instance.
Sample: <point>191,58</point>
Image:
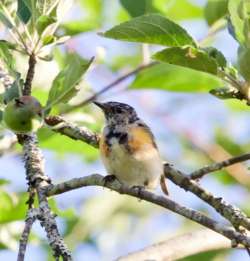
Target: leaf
<point>236,22</point>
<point>10,209</point>
<point>243,62</point>
<point>5,20</point>
<point>215,10</point>
<point>188,57</point>
<point>152,28</point>
<point>217,55</point>
<point>179,10</point>
<point>49,140</point>
<point>64,85</point>
<point>43,22</point>
<point>24,10</point>
<point>138,8</point>
<point>7,56</point>
<point>175,78</point>
<point>14,91</point>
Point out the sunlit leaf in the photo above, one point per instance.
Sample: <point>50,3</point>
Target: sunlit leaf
<point>64,85</point>
<point>188,57</point>
<point>236,25</point>
<point>179,10</point>
<point>152,28</point>
<point>214,10</point>
<point>175,78</point>
<point>5,20</point>
<point>43,22</point>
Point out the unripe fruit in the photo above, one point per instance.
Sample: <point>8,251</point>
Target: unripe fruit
<point>23,115</point>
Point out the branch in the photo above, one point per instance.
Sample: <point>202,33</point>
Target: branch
<point>181,246</point>
<point>218,165</point>
<point>233,214</point>
<point>72,131</point>
<point>30,75</point>
<point>112,84</point>
<point>34,166</point>
<point>37,180</point>
<point>32,215</point>
<point>198,217</point>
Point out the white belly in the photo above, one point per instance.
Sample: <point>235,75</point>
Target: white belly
<point>142,169</point>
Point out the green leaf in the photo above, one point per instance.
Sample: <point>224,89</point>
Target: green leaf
<point>43,22</point>
<point>238,24</point>
<point>5,20</point>
<point>15,90</point>
<point>215,10</point>
<point>6,55</point>
<point>4,182</point>
<point>217,55</point>
<point>179,10</point>
<point>24,10</point>
<point>52,141</point>
<point>64,85</point>
<point>139,7</point>
<point>175,78</point>
<point>12,208</point>
<point>188,57</point>
<point>92,18</point>
<point>243,62</point>
<point>152,28</point>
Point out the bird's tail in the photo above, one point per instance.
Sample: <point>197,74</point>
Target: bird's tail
<point>163,185</point>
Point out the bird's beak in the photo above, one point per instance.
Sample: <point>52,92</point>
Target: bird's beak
<point>100,105</point>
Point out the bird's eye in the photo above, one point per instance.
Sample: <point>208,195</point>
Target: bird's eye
<point>118,110</point>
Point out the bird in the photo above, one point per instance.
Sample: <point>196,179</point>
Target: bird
<point>128,149</point>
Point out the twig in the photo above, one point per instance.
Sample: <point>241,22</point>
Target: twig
<point>181,246</point>
<point>32,215</point>
<point>74,132</point>
<point>112,84</point>
<point>198,217</point>
<point>30,75</point>
<point>234,215</point>
<point>218,165</point>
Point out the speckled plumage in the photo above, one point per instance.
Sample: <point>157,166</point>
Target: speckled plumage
<point>127,146</point>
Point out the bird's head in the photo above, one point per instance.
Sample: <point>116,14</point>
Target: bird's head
<point>117,112</point>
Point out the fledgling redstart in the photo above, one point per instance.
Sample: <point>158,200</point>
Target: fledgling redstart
<point>128,148</point>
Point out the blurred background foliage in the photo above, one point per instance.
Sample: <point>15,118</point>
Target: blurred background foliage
<point>192,127</point>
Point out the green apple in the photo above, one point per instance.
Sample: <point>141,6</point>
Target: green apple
<point>23,115</point>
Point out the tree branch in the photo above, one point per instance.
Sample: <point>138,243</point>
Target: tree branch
<point>34,166</point>
<point>198,217</point>
<point>37,180</point>
<point>112,84</point>
<point>233,214</point>
<point>181,246</point>
<point>218,165</point>
<point>74,132</point>
<point>30,75</point>
<point>32,215</point>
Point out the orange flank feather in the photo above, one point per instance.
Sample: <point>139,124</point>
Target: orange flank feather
<point>104,147</point>
<point>140,137</point>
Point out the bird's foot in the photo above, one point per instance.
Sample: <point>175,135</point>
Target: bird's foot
<point>139,190</point>
<point>108,179</point>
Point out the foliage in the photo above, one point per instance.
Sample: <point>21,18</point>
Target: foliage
<point>184,64</point>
